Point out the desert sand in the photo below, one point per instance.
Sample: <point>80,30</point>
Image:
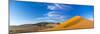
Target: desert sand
<point>76,22</point>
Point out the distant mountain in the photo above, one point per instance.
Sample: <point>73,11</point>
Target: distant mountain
<point>32,27</point>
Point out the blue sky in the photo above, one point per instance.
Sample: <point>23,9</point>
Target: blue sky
<point>33,12</point>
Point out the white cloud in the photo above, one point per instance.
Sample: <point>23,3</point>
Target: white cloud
<point>59,7</point>
<point>55,15</point>
<point>45,19</point>
<point>52,7</point>
<point>51,16</point>
<point>55,7</point>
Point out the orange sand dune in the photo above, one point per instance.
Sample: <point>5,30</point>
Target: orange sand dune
<point>76,22</point>
<point>82,24</point>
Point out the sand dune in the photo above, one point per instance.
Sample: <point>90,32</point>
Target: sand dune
<point>76,22</point>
